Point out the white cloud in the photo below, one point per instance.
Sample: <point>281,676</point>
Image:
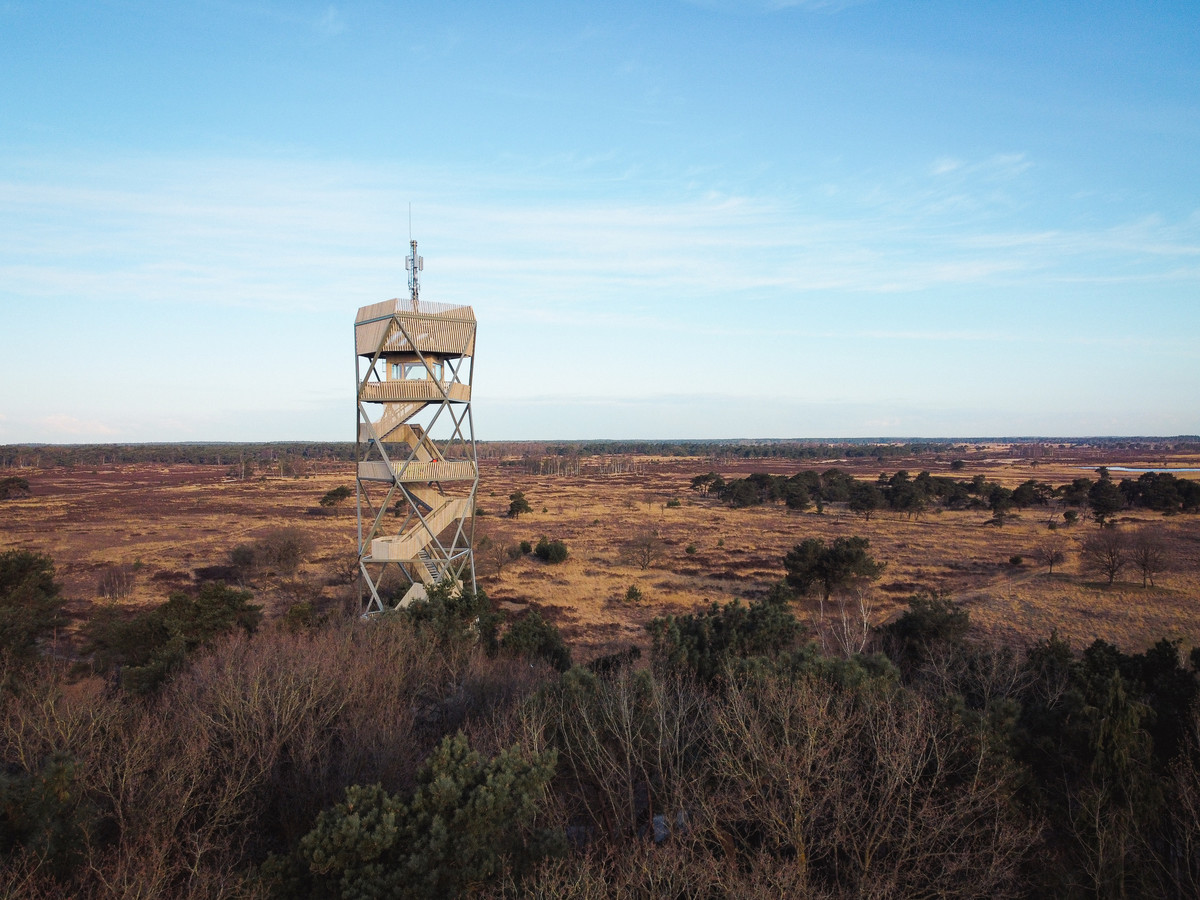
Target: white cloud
<point>64,426</point>
<point>330,24</point>
<point>945,164</point>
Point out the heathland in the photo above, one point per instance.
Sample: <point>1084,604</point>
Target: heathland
<point>959,669</point>
<point>635,520</point>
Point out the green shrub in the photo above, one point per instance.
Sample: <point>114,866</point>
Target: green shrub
<point>518,504</point>
<point>469,823</point>
<point>526,547</point>
<point>812,563</point>
<point>703,644</point>
<point>30,605</point>
<point>336,496</point>
<point>150,646</point>
<point>533,637</point>
<point>931,622</point>
<point>633,594</point>
<point>550,551</point>
<point>448,614</point>
<point>689,549</point>
<point>13,486</point>
<point>45,814</point>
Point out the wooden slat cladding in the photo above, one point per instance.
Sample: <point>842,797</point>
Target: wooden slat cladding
<point>404,547</point>
<point>399,391</point>
<point>430,328</point>
<point>450,470</point>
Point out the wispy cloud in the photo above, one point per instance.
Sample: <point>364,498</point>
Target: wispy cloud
<point>62,426</point>
<point>288,235</point>
<point>330,23</point>
<point>562,246</point>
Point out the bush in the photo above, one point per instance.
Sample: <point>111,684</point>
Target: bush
<point>703,644</point>
<point>811,563</point>
<point>674,503</point>
<point>642,549</point>
<point>13,486</point>
<point>526,547</point>
<point>633,594</point>
<point>30,605</point>
<point>931,622</point>
<point>283,550</point>
<point>689,549</point>
<point>243,559</point>
<point>1016,560</point>
<point>518,504</point>
<point>151,646</point>
<point>336,496</point>
<point>550,551</point>
<point>453,616</point>
<point>533,637</point>
<point>468,823</point>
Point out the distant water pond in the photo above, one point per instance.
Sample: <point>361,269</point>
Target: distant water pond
<point>1127,469</point>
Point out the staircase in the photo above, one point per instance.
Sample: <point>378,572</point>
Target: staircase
<point>426,568</point>
<point>406,547</point>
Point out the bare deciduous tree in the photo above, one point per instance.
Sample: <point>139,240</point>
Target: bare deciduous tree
<point>497,552</point>
<point>848,626</point>
<point>1050,552</point>
<point>1106,552</point>
<point>644,548</point>
<point>1148,553</point>
<point>875,795</point>
<point>116,582</point>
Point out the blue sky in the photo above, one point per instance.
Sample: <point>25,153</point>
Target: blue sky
<point>673,220</point>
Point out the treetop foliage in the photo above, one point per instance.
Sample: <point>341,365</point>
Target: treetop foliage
<point>12,486</point>
<point>148,647</point>
<point>518,505</point>
<point>704,644</point>
<point>533,637</point>
<point>469,822</point>
<point>811,563</point>
<point>901,492</point>
<point>30,604</point>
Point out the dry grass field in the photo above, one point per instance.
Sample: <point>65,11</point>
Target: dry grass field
<point>168,521</point>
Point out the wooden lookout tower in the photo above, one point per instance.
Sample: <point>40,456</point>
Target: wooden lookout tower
<point>417,468</point>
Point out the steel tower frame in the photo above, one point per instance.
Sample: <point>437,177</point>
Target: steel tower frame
<point>414,363</point>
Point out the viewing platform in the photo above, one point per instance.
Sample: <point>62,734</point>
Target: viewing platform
<point>416,471</point>
<point>401,390</point>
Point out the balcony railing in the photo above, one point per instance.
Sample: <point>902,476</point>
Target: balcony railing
<point>415,389</point>
<point>416,471</point>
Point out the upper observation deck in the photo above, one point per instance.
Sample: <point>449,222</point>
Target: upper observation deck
<point>414,327</point>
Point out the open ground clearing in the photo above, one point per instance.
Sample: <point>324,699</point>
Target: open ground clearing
<point>168,521</point>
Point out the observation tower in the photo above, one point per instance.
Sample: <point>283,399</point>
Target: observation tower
<point>417,468</point>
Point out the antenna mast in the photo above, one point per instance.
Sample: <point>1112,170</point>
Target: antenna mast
<point>415,265</point>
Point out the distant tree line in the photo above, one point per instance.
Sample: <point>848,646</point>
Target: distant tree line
<point>264,455</point>
<point>558,457</point>
<point>900,492</point>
